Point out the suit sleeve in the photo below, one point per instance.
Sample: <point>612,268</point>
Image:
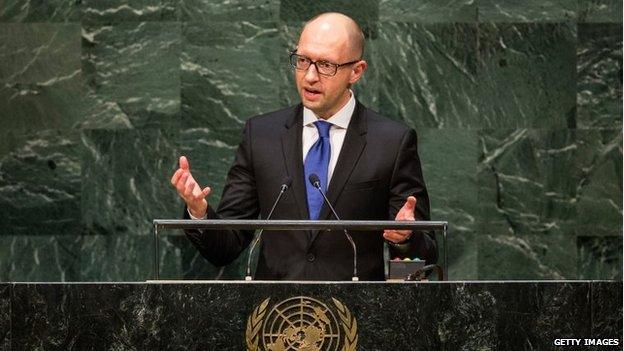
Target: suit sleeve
<point>239,200</point>
<point>407,180</point>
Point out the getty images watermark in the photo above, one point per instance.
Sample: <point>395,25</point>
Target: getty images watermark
<point>586,342</point>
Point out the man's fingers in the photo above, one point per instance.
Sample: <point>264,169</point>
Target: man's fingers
<point>184,164</point>
<point>396,236</point>
<point>406,213</point>
<point>410,203</point>
<point>187,187</point>
<point>201,194</point>
<point>188,192</point>
<point>181,184</point>
<point>190,180</point>
<point>206,191</point>
<point>176,176</point>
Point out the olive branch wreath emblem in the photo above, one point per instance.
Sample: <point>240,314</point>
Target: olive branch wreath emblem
<point>349,324</point>
<point>254,324</point>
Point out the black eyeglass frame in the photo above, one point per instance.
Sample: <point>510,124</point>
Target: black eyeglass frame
<point>335,65</point>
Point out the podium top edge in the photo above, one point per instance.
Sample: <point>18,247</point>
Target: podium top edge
<point>305,282</point>
<point>297,224</point>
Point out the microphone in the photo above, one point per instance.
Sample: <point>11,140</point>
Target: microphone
<point>285,185</point>
<point>316,182</point>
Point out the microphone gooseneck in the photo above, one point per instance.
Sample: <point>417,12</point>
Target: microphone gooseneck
<point>285,185</point>
<point>316,182</point>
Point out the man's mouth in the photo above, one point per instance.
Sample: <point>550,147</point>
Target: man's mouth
<point>311,93</point>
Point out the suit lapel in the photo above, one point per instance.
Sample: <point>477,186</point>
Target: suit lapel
<point>352,148</point>
<point>291,148</point>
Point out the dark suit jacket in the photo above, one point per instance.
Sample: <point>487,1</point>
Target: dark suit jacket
<point>377,169</point>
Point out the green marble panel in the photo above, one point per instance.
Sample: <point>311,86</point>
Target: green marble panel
<point>39,11</point>
<point>528,181</point>
<point>125,257</point>
<point>136,67</point>
<point>428,11</point>
<point>364,12</point>
<point>101,114</point>
<point>210,156</point>
<point>599,191</point>
<point>180,260</point>
<point>600,11</point>
<point>77,258</point>
<point>527,75</point>
<point>513,257</point>
<point>449,159</point>
<point>60,105</point>
<point>40,258</point>
<point>40,185</point>
<point>600,257</point>
<point>527,10</point>
<point>227,73</point>
<point>113,11</point>
<point>427,74</point>
<point>599,75</point>
<point>126,180</point>
<point>26,107</point>
<point>44,85</point>
<point>39,52</point>
<point>105,258</point>
<point>463,254</point>
<point>559,183</point>
<point>228,10</point>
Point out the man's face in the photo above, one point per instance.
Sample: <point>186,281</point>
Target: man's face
<point>325,95</point>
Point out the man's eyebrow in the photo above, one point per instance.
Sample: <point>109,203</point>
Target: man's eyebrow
<point>308,57</point>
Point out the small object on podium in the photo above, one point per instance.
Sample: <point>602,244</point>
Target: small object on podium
<point>401,269</point>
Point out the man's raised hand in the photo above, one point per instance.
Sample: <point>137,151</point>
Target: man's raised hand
<point>406,213</point>
<point>189,190</point>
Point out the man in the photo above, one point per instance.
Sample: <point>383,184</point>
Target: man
<point>367,164</point>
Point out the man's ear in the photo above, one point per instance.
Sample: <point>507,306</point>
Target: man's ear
<point>357,71</point>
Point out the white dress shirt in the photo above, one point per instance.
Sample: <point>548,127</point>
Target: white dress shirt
<point>337,132</point>
<point>339,121</point>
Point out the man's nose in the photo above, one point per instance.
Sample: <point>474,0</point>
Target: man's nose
<point>311,74</point>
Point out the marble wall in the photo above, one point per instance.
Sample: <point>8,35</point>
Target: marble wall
<point>518,106</point>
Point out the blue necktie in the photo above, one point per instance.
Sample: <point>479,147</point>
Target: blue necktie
<point>317,161</point>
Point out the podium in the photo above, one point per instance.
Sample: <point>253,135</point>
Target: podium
<point>239,315</point>
<point>416,226</point>
<point>334,316</point>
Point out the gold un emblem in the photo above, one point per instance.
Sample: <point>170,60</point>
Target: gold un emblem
<point>301,324</point>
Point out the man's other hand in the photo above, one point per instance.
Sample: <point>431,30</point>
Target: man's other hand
<point>406,213</point>
<point>189,190</point>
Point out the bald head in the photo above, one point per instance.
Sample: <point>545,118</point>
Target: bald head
<point>338,25</point>
<point>330,52</point>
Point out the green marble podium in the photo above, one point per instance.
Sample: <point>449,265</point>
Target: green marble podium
<point>218,315</point>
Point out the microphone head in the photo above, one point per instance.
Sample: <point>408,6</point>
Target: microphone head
<point>287,182</point>
<point>314,180</point>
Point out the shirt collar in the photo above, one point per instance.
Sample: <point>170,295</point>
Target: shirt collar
<point>341,119</point>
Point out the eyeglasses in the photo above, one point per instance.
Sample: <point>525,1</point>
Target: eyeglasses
<point>325,68</point>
